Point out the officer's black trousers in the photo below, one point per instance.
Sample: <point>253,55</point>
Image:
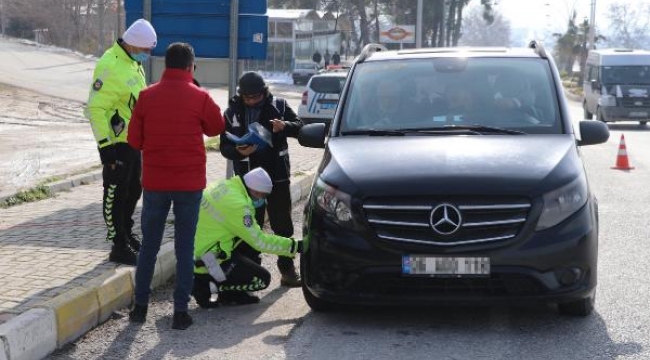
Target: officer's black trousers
<point>242,274</point>
<point>279,209</point>
<point>122,190</point>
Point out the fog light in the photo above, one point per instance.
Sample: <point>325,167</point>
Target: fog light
<point>569,276</point>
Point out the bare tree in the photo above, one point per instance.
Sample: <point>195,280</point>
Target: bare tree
<point>75,24</point>
<point>477,31</point>
<point>629,25</point>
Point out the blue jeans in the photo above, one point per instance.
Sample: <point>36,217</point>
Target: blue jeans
<point>156,205</point>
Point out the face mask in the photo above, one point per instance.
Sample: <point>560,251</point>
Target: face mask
<point>258,203</point>
<point>140,57</point>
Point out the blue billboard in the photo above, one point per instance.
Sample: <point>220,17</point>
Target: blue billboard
<point>205,24</point>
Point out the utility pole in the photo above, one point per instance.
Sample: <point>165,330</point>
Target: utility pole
<point>418,26</point>
<point>592,26</point>
<point>118,27</point>
<point>3,17</point>
<point>233,68</point>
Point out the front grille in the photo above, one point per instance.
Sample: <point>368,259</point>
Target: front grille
<point>481,221</point>
<point>495,285</point>
<point>635,102</point>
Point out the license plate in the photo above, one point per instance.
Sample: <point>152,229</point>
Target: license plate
<point>327,106</point>
<point>445,266</point>
<point>638,114</point>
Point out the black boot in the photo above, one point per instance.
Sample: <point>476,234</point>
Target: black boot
<point>290,277</point>
<point>201,292</point>
<point>237,298</point>
<point>138,314</point>
<point>123,254</point>
<point>182,320</point>
<point>134,242</point>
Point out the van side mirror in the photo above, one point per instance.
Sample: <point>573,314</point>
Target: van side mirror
<point>593,132</point>
<point>312,135</point>
<point>595,84</point>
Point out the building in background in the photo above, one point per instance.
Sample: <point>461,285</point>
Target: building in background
<point>295,34</point>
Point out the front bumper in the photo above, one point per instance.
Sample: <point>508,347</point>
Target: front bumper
<point>615,113</point>
<point>348,267</point>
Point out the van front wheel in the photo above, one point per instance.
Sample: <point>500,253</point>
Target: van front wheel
<point>588,115</point>
<point>599,115</point>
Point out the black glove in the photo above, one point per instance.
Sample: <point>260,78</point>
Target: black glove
<point>298,246</point>
<point>108,154</point>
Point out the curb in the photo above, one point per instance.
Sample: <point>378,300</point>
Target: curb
<point>38,332</point>
<point>64,185</point>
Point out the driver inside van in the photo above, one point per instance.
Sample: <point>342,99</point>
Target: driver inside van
<point>387,104</point>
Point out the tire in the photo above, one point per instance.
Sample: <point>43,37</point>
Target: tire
<point>316,304</point>
<point>582,307</point>
<point>588,115</point>
<point>643,122</point>
<point>599,115</point>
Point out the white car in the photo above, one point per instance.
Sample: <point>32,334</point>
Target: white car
<point>320,99</point>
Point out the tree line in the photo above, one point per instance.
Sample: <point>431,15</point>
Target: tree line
<point>442,19</point>
<point>87,26</point>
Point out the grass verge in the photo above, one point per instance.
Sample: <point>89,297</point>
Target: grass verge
<point>39,192</point>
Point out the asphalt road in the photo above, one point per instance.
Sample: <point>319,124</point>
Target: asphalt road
<point>283,327</point>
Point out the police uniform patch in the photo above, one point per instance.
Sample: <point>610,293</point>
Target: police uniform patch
<point>248,220</point>
<point>97,85</point>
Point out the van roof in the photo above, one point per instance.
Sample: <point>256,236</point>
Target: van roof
<point>613,57</point>
<point>453,52</point>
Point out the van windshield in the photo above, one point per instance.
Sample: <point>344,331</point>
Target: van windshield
<point>508,93</point>
<point>618,75</point>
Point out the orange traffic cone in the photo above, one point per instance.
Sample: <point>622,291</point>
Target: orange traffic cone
<point>622,162</point>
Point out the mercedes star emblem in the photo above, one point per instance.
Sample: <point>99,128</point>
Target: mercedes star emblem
<point>445,219</point>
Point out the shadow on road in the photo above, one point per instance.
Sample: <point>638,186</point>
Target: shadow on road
<point>456,333</point>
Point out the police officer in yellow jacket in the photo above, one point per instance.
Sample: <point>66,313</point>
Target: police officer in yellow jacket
<point>226,220</point>
<point>117,81</point>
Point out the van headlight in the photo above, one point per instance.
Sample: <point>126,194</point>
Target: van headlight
<point>607,100</point>
<point>335,203</point>
<point>561,203</point>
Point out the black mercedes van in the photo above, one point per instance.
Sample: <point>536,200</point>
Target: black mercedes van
<point>451,175</point>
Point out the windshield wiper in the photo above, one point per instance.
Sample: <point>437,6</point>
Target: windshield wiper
<point>373,132</point>
<point>477,129</point>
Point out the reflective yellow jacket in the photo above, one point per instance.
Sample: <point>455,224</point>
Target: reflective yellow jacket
<point>118,80</point>
<point>226,218</point>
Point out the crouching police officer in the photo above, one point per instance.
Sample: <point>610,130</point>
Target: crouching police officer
<point>227,220</point>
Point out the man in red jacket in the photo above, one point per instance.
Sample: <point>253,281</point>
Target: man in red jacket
<point>168,124</point>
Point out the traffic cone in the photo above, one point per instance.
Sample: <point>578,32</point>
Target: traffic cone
<point>622,162</point>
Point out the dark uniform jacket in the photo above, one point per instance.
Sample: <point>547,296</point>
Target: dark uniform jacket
<point>275,159</point>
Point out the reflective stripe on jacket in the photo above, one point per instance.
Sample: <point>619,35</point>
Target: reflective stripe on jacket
<point>226,218</point>
<point>117,82</point>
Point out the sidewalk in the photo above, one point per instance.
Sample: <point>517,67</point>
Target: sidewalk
<point>55,279</point>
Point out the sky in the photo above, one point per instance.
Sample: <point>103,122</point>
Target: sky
<point>540,19</point>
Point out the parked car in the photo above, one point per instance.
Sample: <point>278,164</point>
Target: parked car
<point>451,175</point>
<point>321,96</point>
<point>303,71</point>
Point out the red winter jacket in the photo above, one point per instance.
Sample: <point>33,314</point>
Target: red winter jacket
<point>168,124</point>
